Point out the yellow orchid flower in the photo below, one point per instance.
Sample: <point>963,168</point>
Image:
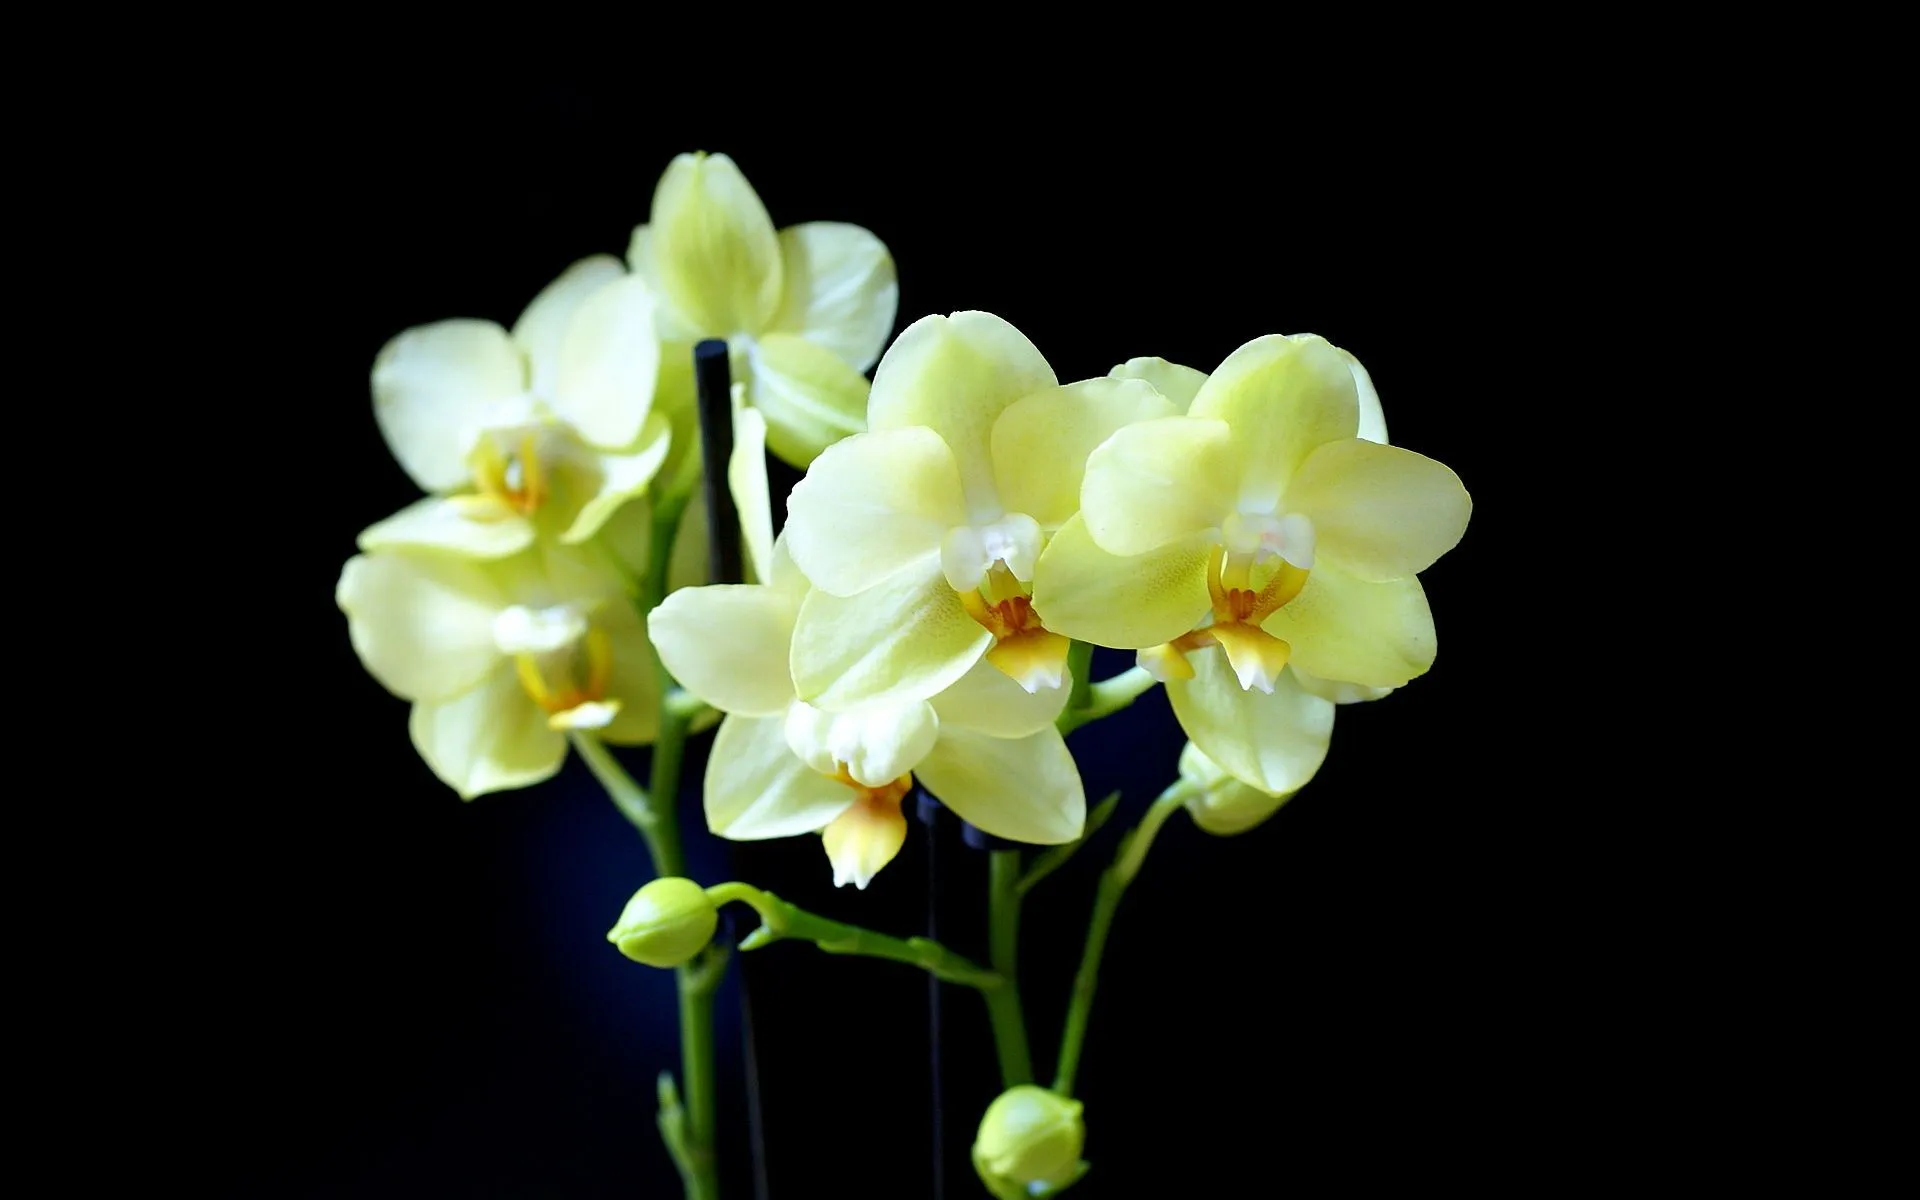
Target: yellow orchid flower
<point>1261,524</point>
<point>805,311</point>
<point>782,767</point>
<point>501,657</point>
<point>547,427</point>
<point>920,537</point>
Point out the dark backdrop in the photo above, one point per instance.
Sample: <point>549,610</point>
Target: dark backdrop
<point>413,996</point>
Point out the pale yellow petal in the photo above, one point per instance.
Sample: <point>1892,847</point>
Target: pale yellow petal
<point>956,375</point>
<point>472,525</point>
<point>755,787</point>
<point>728,644</point>
<point>543,326</point>
<point>1128,603</point>
<point>811,398</point>
<point>875,743</point>
<point>1177,383</point>
<point>1340,692</point>
<point>747,480</point>
<point>622,478</point>
<point>609,358</point>
<point>906,638</point>
<point>1022,789</point>
<point>1371,634</point>
<point>1283,397</point>
<point>871,506</point>
<point>986,700</point>
<point>487,739</point>
<point>1381,512</point>
<point>1158,482</point>
<point>421,623</point>
<point>841,292</point>
<point>1041,442</point>
<point>633,684</point>
<point>1373,418</point>
<point>433,387</point>
<point>1272,741</point>
<point>712,248</point>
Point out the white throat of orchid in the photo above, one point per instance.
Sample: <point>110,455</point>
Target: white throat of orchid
<point>873,751</point>
<point>1260,537</point>
<point>564,663</point>
<point>989,561</point>
<point>513,465</point>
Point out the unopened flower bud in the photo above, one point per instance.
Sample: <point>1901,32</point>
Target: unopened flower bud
<point>1029,1143</point>
<point>666,923</point>
<point>1221,804</point>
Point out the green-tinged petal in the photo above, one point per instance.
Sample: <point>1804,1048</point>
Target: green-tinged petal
<point>1379,511</point>
<point>956,375</point>
<point>487,739</point>
<point>474,525</point>
<point>811,398</point>
<point>633,683</point>
<point>1273,741</point>
<point>747,479</point>
<point>622,478</point>
<point>841,292</point>
<point>1158,482</point>
<point>687,562</point>
<point>876,743</point>
<point>712,249</point>
<point>872,505</point>
<point>1340,692</point>
<point>421,623</point>
<point>1222,805</point>
<point>433,387</point>
<point>863,839</point>
<point>1373,418</point>
<point>542,328</point>
<point>1022,789</point>
<point>756,788</point>
<point>1283,396</point>
<point>987,700</point>
<point>609,358</point>
<point>1129,603</point>
<point>1371,634</point>
<point>1041,442</point>
<point>906,638</point>
<point>1177,383</point>
<point>727,644</point>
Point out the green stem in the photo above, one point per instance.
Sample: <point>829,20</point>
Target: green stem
<point>1080,664</point>
<point>779,919</point>
<point>1105,698</point>
<point>1003,940</point>
<point>1127,861</point>
<point>698,980</point>
<point>657,824</point>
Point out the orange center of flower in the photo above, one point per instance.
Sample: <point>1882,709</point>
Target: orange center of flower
<point>1257,656</point>
<point>881,799</point>
<point>1024,648</point>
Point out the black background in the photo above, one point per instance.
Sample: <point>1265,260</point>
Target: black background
<point>413,996</point>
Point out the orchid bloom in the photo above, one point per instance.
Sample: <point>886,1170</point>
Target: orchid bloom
<point>920,537</point>
<point>501,657</point>
<point>782,767</point>
<point>805,311</point>
<point>549,427</point>
<point>1261,524</point>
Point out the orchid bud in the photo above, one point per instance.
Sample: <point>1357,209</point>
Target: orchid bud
<point>666,923</point>
<point>1029,1143</point>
